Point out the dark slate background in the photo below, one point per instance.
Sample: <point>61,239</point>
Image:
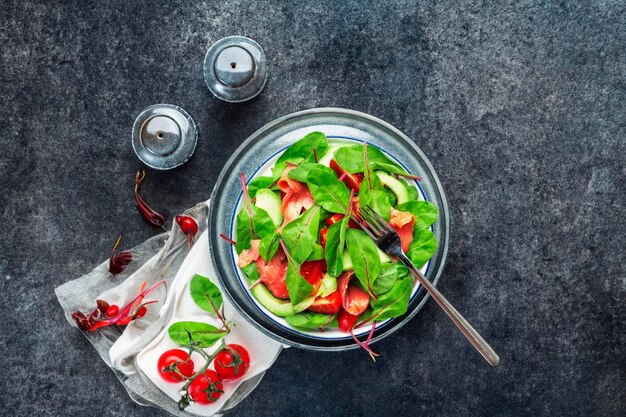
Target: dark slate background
<point>520,108</point>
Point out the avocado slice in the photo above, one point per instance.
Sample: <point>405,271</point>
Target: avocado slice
<point>269,201</point>
<point>394,185</point>
<point>347,260</point>
<point>282,308</point>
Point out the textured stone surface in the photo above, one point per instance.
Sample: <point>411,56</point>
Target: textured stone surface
<point>520,108</point>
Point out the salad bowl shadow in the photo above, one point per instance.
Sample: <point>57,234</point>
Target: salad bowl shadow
<point>256,155</point>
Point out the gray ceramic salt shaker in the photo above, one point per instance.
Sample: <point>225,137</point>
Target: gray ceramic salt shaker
<point>235,69</point>
<point>164,136</point>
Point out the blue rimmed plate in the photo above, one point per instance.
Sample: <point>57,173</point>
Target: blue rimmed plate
<point>257,155</point>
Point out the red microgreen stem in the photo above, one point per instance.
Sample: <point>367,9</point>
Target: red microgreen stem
<point>254,284</point>
<point>315,155</point>
<point>291,164</point>
<point>365,345</point>
<point>413,177</point>
<point>229,240</point>
<point>343,176</point>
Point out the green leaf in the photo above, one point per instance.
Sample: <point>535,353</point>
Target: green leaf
<point>317,253</point>
<point>205,294</point>
<point>373,194</point>
<point>422,248</point>
<point>393,303</point>
<point>298,288</point>
<point>335,244</point>
<point>251,271</point>
<point>313,173</point>
<point>300,151</point>
<point>365,259</point>
<point>334,197</point>
<point>268,246</point>
<point>259,183</point>
<point>309,320</point>
<point>203,334</point>
<point>262,222</point>
<point>350,158</point>
<point>425,212</point>
<point>387,278</point>
<point>300,234</point>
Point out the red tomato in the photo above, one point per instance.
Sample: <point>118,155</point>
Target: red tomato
<point>355,300</point>
<point>326,305</point>
<point>232,362</point>
<point>336,217</point>
<point>206,388</point>
<point>323,234</point>
<point>346,320</point>
<point>174,362</point>
<point>351,180</point>
<point>312,272</point>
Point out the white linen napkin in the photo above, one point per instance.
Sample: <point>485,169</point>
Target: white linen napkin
<point>133,353</point>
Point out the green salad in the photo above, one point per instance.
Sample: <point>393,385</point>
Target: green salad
<point>306,259</point>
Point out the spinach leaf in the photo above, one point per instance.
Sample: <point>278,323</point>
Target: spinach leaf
<point>261,221</point>
<point>351,159</point>
<point>205,294</point>
<point>313,173</point>
<point>365,259</point>
<point>300,151</point>
<point>391,196</point>
<point>252,272</point>
<point>425,212</point>
<point>317,254</point>
<point>422,248</point>
<point>393,303</point>
<point>259,183</point>
<point>298,288</point>
<point>300,234</point>
<point>268,246</point>
<point>309,320</point>
<point>387,278</point>
<point>334,197</point>
<point>335,244</point>
<point>372,193</point>
<point>202,333</point>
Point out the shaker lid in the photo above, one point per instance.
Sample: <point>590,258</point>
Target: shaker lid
<point>164,136</point>
<point>235,69</point>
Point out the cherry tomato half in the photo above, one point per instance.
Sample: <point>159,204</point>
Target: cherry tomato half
<point>351,180</point>
<point>326,305</point>
<point>338,216</point>
<point>346,320</point>
<point>323,234</point>
<point>173,363</point>
<point>232,362</point>
<point>206,388</point>
<point>312,272</point>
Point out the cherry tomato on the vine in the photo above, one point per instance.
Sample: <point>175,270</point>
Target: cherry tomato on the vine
<point>206,388</point>
<point>175,365</point>
<point>232,362</point>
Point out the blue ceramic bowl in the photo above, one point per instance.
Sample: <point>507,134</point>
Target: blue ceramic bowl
<point>258,154</point>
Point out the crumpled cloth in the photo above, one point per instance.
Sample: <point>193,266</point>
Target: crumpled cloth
<point>163,257</point>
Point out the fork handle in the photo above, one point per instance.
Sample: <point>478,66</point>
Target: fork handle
<point>472,335</point>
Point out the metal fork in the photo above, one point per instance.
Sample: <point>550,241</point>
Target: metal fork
<point>388,241</point>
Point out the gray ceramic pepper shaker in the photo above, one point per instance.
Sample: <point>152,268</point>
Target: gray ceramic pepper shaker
<point>235,69</point>
<point>164,136</point>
